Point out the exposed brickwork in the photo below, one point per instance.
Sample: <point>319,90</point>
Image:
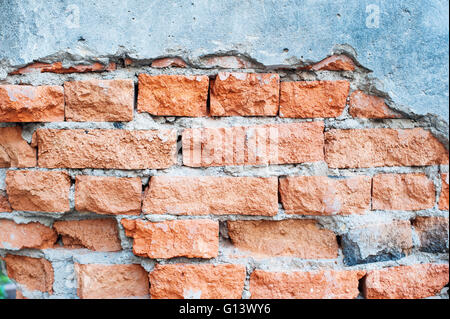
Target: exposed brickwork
<point>370,106</point>
<point>339,62</point>
<point>433,233</point>
<point>14,150</point>
<point>20,236</point>
<point>5,207</point>
<point>57,67</point>
<point>443,198</point>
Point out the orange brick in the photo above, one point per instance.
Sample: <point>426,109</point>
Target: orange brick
<point>24,103</point>
<point>370,106</point>
<point>168,62</point>
<point>205,195</point>
<point>324,284</point>
<point>320,195</point>
<point>433,233</point>
<point>309,99</point>
<point>406,282</point>
<point>205,281</point>
<point>119,149</point>
<point>97,281</point>
<point>402,192</point>
<point>33,273</point>
<point>382,147</point>
<point>443,198</point>
<point>108,195</point>
<point>338,62</point>
<point>245,94</point>
<point>20,236</point>
<point>99,100</point>
<point>254,145</point>
<point>57,67</point>
<point>173,95</point>
<point>93,234</point>
<point>198,238</point>
<point>14,150</point>
<point>38,191</point>
<point>5,207</point>
<point>298,238</point>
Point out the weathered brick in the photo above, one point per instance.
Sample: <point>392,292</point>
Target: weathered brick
<point>370,106</point>
<point>119,149</point>
<point>5,207</point>
<point>173,95</point>
<point>20,236</point>
<point>198,238</point>
<point>99,100</point>
<point>245,94</point>
<point>97,281</point>
<point>33,273</point>
<point>14,150</point>
<point>308,99</point>
<point>382,147</point>
<point>402,192</point>
<point>227,62</point>
<point>299,238</point>
<point>324,284</point>
<point>254,145</point>
<point>433,233</point>
<point>38,191</point>
<point>443,198</point>
<point>406,282</point>
<point>23,103</point>
<point>168,62</point>
<point>108,195</point>
<point>377,242</point>
<point>57,67</point>
<point>320,195</point>
<point>200,281</point>
<point>205,195</point>
<point>93,234</point>
<point>339,62</point>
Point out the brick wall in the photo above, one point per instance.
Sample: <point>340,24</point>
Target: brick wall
<point>224,180</point>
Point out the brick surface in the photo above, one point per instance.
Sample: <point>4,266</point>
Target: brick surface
<point>57,67</point>
<point>413,191</point>
<point>406,282</point>
<point>97,281</point>
<point>309,99</point>
<point>20,236</point>
<point>33,273</point>
<point>173,95</point>
<point>298,238</point>
<point>338,62</point>
<point>200,281</point>
<point>245,94</point>
<point>370,106</point>
<point>433,233</point>
<point>99,100</point>
<point>324,284</point>
<point>254,145</point>
<point>14,150</point>
<point>38,191</point>
<point>197,238</point>
<point>5,207</point>
<point>119,149</point>
<point>168,62</point>
<point>93,234</point>
<point>23,103</point>
<point>211,195</point>
<point>320,195</point>
<point>443,198</point>
<point>382,147</point>
<point>108,195</point>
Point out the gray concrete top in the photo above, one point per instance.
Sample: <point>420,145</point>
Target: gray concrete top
<point>405,43</point>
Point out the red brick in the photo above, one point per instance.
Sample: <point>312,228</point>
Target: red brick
<point>5,207</point>
<point>38,191</point>
<point>205,195</point>
<point>99,100</point>
<point>119,149</point>
<point>24,103</point>
<point>168,62</point>
<point>402,192</point>
<point>406,282</point>
<point>108,195</point>
<point>20,236</point>
<point>309,99</point>
<point>338,62</point>
<point>443,198</point>
<point>57,67</point>
<point>254,145</point>
<point>97,281</point>
<point>324,284</point>
<point>173,95</point>
<point>93,234</point>
<point>370,106</point>
<point>245,94</point>
<point>320,195</point>
<point>382,147</point>
<point>298,238</point>
<point>433,233</point>
<point>201,281</point>
<point>14,150</point>
<point>198,238</point>
<point>32,273</point>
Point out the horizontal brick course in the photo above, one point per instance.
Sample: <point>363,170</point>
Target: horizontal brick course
<point>19,236</point>
<point>370,106</point>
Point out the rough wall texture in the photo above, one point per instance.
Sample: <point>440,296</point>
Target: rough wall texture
<point>185,171</point>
